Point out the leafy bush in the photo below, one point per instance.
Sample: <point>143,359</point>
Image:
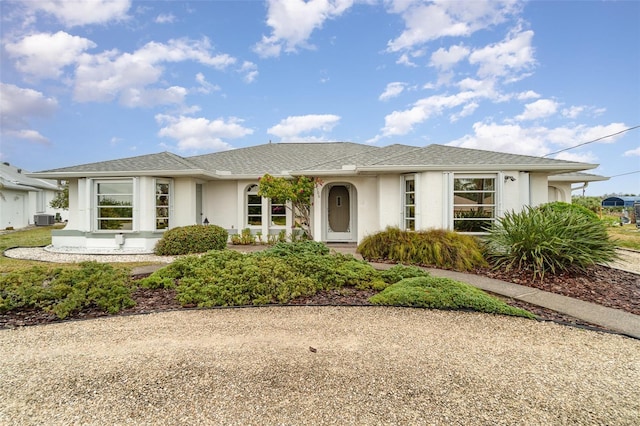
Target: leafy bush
<point>559,206</point>
<point>65,291</point>
<point>443,293</point>
<point>399,272</point>
<point>192,239</point>
<point>548,240</point>
<point>439,248</point>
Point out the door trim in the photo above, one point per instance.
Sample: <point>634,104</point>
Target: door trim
<point>352,234</point>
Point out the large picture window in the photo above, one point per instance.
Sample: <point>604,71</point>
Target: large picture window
<point>114,205</point>
<point>254,206</point>
<point>278,214</point>
<point>162,204</point>
<point>409,208</point>
<point>474,203</point>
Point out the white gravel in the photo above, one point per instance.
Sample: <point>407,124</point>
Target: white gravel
<point>371,366</point>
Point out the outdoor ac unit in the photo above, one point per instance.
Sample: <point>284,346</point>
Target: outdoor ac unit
<point>43,219</point>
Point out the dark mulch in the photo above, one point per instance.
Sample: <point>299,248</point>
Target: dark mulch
<point>602,285</point>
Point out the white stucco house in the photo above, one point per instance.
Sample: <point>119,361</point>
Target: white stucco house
<point>127,204</point>
<point>23,197</point>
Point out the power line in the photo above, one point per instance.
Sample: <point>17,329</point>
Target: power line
<point>624,174</point>
<point>595,140</point>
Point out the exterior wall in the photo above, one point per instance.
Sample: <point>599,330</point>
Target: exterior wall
<point>184,197</point>
<point>13,209</point>
<point>221,203</point>
<point>389,195</point>
<point>560,191</point>
<point>432,199</point>
<point>539,189</point>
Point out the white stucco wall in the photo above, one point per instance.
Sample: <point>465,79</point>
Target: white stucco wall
<point>539,189</point>
<point>184,200</point>
<point>220,203</point>
<point>389,192</point>
<point>13,209</point>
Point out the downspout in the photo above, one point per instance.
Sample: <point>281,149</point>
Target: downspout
<point>583,187</point>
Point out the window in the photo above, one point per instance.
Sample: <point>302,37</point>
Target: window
<point>474,203</point>
<point>162,204</point>
<point>278,214</point>
<point>254,206</point>
<point>409,203</point>
<point>114,205</point>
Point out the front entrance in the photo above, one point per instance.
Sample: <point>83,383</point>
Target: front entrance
<point>339,222</point>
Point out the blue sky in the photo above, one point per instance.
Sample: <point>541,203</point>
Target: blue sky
<point>87,81</point>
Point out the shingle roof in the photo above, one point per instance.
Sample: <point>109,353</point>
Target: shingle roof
<point>322,158</point>
<point>12,177</point>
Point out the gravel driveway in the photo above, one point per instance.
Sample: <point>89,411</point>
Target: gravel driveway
<point>368,366</point>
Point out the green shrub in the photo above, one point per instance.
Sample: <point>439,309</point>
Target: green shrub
<point>191,239</point>
<point>550,240</point>
<point>399,272</point>
<point>443,293</point>
<point>65,291</point>
<point>559,206</point>
<point>438,248</point>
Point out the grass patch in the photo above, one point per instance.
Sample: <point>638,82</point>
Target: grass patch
<point>443,293</point>
<point>626,236</point>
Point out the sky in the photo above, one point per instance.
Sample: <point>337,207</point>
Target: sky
<point>88,81</point>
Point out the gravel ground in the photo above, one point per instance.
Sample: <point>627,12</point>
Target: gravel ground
<point>310,365</point>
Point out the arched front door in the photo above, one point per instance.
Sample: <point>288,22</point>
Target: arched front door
<point>339,213</point>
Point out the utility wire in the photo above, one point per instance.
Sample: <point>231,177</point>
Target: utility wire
<point>595,140</point>
<point>624,174</point>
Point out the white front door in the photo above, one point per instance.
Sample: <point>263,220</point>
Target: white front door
<point>339,217</point>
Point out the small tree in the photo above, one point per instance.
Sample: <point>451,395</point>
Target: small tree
<point>296,193</point>
<point>62,198</point>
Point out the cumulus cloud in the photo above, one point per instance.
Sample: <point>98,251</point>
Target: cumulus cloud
<point>111,74</point>
<point>196,134</point>
<point>392,90</point>
<point>538,109</point>
<point>73,13</point>
<point>525,96</point>
<point>633,152</point>
<point>17,106</point>
<point>205,86</point>
<point>293,21</point>
<point>165,18</point>
<point>444,59</point>
<point>250,71</point>
<point>44,55</point>
<point>535,140</point>
<point>582,157</point>
<point>426,21</point>
<point>506,58</point>
<point>292,128</point>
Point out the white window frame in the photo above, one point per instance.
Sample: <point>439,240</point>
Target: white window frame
<point>168,206</point>
<point>252,190</point>
<point>282,215</point>
<point>96,207</point>
<point>404,217</point>
<point>494,206</point>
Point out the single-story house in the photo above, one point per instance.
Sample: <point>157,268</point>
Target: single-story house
<point>25,199</point>
<point>127,204</point>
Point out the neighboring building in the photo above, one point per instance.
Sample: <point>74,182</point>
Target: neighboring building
<point>127,204</point>
<point>23,197</point>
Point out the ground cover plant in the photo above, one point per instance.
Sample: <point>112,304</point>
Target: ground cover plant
<point>437,248</point>
<point>548,239</point>
<point>443,293</point>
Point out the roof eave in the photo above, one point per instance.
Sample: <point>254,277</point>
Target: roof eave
<point>129,173</point>
<point>560,168</point>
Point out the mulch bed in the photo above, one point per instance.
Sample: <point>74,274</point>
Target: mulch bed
<point>605,286</point>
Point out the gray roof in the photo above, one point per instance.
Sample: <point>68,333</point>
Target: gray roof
<point>12,177</point>
<point>318,158</point>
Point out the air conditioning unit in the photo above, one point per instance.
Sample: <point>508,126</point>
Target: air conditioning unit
<point>44,219</point>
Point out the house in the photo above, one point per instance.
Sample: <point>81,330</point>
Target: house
<point>22,198</point>
<point>127,204</point>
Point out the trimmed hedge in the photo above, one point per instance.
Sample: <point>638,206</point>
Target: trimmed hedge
<point>192,239</point>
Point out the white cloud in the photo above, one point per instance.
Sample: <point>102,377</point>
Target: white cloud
<point>82,12</point>
<point>538,109</point>
<point>426,21</point>
<point>44,55</point>
<point>205,86</point>
<point>201,133</point>
<point>136,98</point>
<point>250,71</point>
<point>293,21</point>
<point>392,90</point>
<point>165,18</point>
<point>17,106</point>
<point>467,110</point>
<point>445,59</point>
<point>573,111</point>
<point>506,58</point>
<point>633,152</point>
<point>525,96</point>
<point>112,74</point>
<point>536,140</point>
<point>583,157</point>
<point>404,60</point>
<point>291,128</point>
